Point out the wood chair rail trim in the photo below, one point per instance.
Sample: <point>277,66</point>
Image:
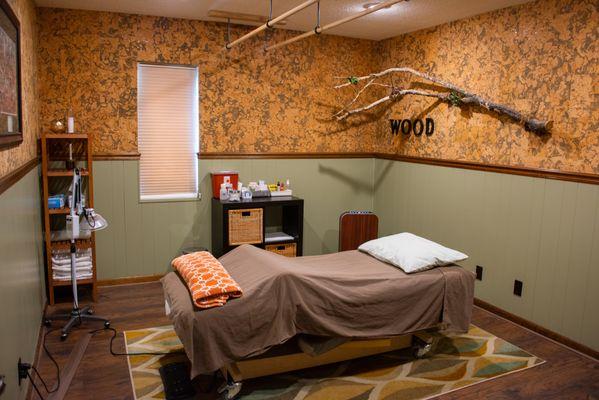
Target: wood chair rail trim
<point>15,176</point>
<point>478,166</point>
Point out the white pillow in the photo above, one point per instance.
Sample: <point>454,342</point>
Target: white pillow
<point>411,253</point>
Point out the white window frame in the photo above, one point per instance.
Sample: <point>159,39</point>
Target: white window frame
<point>174,197</point>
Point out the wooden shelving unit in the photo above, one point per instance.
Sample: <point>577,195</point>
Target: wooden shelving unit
<point>286,212</point>
<point>54,147</point>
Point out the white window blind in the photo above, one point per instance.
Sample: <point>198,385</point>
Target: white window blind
<point>168,132</point>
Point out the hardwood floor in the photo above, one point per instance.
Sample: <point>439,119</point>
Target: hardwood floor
<point>101,376</point>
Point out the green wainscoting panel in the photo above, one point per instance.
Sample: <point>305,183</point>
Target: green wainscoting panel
<point>542,232</point>
<point>22,290</point>
<point>142,238</point>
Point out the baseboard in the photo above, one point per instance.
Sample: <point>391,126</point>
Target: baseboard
<point>129,280</point>
<point>538,329</point>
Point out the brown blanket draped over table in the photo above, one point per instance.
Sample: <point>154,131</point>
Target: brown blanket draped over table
<point>348,294</point>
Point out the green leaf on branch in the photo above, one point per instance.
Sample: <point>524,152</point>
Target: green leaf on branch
<point>455,98</point>
<point>353,80</point>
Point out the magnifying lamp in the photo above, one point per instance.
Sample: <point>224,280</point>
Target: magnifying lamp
<point>83,221</point>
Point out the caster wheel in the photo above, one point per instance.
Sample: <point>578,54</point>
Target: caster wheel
<point>64,336</point>
<point>107,324</point>
<point>421,351</point>
<point>89,311</point>
<point>424,347</point>
<point>47,323</point>
<point>230,391</point>
<point>229,395</point>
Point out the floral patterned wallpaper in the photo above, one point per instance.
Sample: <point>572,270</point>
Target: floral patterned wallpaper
<point>541,57</point>
<point>249,101</point>
<point>12,158</point>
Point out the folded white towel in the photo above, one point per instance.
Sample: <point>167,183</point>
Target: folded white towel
<point>80,275</point>
<point>61,264</point>
<point>68,278</point>
<point>67,261</point>
<point>67,253</point>
<point>68,271</point>
<point>78,265</point>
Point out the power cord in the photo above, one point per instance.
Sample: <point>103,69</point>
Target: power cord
<point>35,386</point>
<point>51,357</point>
<point>114,333</point>
<point>211,385</point>
<point>112,352</point>
<point>43,382</point>
<point>27,367</point>
<point>89,216</point>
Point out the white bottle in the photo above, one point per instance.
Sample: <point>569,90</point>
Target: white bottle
<point>70,122</point>
<point>224,192</point>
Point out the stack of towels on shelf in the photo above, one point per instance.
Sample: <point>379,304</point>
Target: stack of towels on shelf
<point>61,264</point>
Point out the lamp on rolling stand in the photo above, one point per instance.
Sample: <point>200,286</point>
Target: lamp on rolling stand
<point>90,222</point>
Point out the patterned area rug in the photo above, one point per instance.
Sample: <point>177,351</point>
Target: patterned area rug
<point>457,362</point>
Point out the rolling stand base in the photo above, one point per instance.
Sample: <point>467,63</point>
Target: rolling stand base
<point>76,318</point>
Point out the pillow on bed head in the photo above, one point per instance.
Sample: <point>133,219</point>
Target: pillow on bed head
<point>411,253</point>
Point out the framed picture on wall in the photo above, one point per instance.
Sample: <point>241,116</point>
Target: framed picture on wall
<point>11,127</point>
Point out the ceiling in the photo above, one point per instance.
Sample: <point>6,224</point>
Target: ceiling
<point>403,17</point>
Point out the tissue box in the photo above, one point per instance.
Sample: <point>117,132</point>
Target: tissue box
<point>56,201</point>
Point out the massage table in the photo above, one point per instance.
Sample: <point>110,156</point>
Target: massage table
<point>333,307</point>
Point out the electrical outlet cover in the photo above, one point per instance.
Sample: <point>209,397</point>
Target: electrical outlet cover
<point>479,273</point>
<point>518,288</point>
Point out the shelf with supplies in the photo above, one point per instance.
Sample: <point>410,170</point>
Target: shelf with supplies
<point>61,153</point>
<point>272,223</point>
<point>66,136</point>
<point>65,172</point>
<point>85,281</point>
<point>278,237</point>
<point>58,211</point>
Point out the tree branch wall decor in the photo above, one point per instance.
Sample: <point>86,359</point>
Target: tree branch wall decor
<point>455,95</point>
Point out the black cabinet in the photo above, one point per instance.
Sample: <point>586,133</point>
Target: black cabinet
<point>279,214</point>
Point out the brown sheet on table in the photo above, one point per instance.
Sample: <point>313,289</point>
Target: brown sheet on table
<point>347,294</point>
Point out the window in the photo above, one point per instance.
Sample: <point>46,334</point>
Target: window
<point>168,132</point>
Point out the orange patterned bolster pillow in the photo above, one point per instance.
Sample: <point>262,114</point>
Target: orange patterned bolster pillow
<point>208,281</point>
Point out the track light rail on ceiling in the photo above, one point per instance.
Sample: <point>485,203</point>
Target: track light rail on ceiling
<point>270,23</point>
<point>241,17</point>
<point>334,24</point>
